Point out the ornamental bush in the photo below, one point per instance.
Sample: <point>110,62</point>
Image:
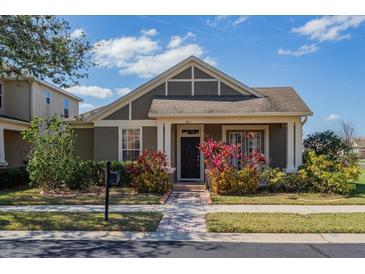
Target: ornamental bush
<point>150,173</point>
<point>91,174</point>
<point>225,177</point>
<point>326,143</point>
<point>52,162</point>
<point>331,176</point>
<point>233,181</point>
<point>14,177</point>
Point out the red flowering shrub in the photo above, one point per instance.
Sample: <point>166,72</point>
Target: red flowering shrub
<point>223,176</point>
<point>149,173</point>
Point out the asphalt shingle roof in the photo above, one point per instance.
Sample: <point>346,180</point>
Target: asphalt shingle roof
<point>281,99</point>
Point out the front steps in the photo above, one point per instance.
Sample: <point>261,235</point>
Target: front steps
<point>188,187</point>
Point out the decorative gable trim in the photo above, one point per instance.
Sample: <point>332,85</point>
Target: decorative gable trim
<point>168,75</point>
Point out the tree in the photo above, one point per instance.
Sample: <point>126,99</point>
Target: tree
<point>42,47</point>
<point>347,133</point>
<point>325,143</point>
<point>52,161</point>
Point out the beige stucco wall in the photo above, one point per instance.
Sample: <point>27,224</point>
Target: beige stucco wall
<point>16,100</point>
<point>41,109</point>
<point>16,149</point>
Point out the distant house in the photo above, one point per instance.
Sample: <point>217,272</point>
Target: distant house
<point>20,101</point>
<point>359,147</point>
<point>183,106</point>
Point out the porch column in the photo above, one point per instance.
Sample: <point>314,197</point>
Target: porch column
<point>290,147</point>
<point>160,136</point>
<point>168,142</point>
<point>2,148</point>
<point>298,145</point>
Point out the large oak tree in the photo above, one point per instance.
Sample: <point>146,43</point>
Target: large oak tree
<point>42,47</point>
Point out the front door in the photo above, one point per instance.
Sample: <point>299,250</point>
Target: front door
<point>190,158</point>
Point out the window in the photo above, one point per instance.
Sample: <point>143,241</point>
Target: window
<point>254,144</point>
<point>247,145</point>
<point>235,138</point>
<point>1,94</point>
<point>131,144</point>
<point>48,97</point>
<point>66,106</point>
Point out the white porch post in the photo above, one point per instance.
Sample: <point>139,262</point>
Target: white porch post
<point>298,145</point>
<point>160,136</point>
<point>2,148</point>
<point>290,147</point>
<point>168,142</point>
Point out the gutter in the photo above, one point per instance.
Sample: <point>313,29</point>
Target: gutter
<point>305,120</point>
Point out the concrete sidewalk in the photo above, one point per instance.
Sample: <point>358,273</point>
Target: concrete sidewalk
<point>183,237</point>
<point>192,209</point>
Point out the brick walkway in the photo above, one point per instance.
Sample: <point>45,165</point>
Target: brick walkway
<point>181,219</point>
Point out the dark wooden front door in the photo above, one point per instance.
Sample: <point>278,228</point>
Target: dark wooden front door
<point>190,158</point>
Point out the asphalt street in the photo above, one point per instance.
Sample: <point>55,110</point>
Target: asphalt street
<point>108,249</point>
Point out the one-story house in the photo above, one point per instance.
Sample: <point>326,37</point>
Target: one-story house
<point>185,105</point>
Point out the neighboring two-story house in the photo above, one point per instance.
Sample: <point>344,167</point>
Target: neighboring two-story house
<point>20,101</point>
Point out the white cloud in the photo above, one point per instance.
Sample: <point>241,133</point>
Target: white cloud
<point>86,107</point>
<point>92,91</point>
<point>225,21</point>
<point>305,49</point>
<point>122,91</point>
<point>240,20</point>
<point>148,66</point>
<point>329,27</point>
<point>149,32</point>
<point>332,117</point>
<point>144,56</point>
<point>77,33</point>
<point>176,40</point>
<point>116,52</point>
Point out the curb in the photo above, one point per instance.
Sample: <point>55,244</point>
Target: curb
<point>208,198</point>
<point>165,197</point>
<point>325,238</point>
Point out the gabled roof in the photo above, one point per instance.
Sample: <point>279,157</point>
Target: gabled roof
<point>163,77</point>
<point>277,101</point>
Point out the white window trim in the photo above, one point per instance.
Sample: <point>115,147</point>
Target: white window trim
<point>178,151</point>
<point>265,128</point>
<point>120,140</point>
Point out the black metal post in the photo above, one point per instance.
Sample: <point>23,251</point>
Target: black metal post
<point>107,176</point>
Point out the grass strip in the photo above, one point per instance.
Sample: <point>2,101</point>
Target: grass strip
<point>80,221</point>
<point>286,222</point>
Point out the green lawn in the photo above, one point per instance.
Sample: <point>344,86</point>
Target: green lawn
<point>286,223</point>
<point>79,221</point>
<point>358,198</point>
<point>34,196</point>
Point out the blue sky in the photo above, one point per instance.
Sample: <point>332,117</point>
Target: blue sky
<point>323,58</point>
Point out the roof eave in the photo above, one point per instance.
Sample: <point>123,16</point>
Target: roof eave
<point>169,115</point>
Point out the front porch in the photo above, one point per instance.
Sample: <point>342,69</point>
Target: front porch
<point>278,138</point>
<point>13,149</point>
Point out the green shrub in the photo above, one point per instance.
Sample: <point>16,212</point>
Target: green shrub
<point>91,174</point>
<point>233,181</point>
<point>326,143</point>
<point>149,173</point>
<point>14,177</point>
<point>279,181</point>
<point>328,175</point>
<point>52,162</point>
